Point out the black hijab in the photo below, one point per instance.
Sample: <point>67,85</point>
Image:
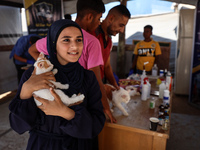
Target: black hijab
<point>72,73</point>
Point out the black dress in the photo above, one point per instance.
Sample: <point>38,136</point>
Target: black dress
<point>56,133</point>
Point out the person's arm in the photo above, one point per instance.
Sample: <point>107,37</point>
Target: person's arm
<point>104,100</point>
<point>109,74</point>
<point>19,58</point>
<point>36,82</point>
<point>56,107</point>
<point>33,51</point>
<point>24,114</point>
<point>89,117</point>
<point>39,46</point>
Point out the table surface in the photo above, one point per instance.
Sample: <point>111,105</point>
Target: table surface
<point>140,112</point>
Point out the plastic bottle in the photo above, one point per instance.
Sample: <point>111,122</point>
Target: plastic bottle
<point>161,73</point>
<point>165,73</point>
<point>143,76</point>
<point>144,91</point>
<point>161,118</point>
<point>166,98</point>
<point>162,87</point>
<point>149,89</point>
<point>169,80</point>
<point>155,70</point>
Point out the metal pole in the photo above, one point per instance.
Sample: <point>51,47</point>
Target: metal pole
<point>121,51</point>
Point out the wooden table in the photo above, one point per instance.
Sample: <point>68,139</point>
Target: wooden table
<point>132,132</point>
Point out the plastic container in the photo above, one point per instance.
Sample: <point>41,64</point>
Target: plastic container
<point>161,73</point>
<point>169,80</point>
<point>155,70</point>
<point>149,89</point>
<point>162,87</point>
<point>166,98</point>
<point>144,91</point>
<point>142,77</point>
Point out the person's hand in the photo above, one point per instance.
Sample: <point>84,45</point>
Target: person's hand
<point>30,61</point>
<point>36,82</point>
<point>56,107</point>
<point>110,116</point>
<point>130,72</point>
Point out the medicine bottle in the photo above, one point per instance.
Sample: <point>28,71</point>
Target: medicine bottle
<point>162,87</point>
<point>155,70</point>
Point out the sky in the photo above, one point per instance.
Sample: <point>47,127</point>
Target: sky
<point>142,7</point>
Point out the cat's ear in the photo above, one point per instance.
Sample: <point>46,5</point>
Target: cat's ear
<point>41,55</point>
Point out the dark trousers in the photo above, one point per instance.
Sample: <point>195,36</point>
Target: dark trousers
<point>20,71</point>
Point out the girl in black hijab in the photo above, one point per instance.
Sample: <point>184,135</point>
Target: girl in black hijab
<point>54,126</point>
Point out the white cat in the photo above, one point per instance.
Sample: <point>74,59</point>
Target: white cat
<point>43,65</point>
<point>117,97</point>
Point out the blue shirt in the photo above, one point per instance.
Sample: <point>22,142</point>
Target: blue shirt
<point>21,49</point>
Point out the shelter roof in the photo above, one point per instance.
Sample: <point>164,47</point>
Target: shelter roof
<point>19,3</point>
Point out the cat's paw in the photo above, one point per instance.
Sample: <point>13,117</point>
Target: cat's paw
<point>74,95</point>
<point>125,113</point>
<point>77,103</point>
<point>81,96</point>
<point>55,71</point>
<point>111,110</point>
<point>66,86</point>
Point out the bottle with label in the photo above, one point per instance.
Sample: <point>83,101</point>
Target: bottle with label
<point>161,73</point>
<point>144,91</point>
<point>142,78</point>
<point>161,119</point>
<point>161,109</point>
<point>155,70</point>
<point>166,98</point>
<point>162,87</point>
<point>169,80</point>
<point>165,73</point>
<point>167,109</point>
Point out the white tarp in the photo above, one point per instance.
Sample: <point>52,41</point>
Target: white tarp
<point>10,25</point>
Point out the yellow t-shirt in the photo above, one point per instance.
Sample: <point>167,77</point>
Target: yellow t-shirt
<point>146,51</point>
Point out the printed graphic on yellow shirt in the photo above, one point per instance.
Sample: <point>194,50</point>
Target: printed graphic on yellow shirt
<point>146,52</point>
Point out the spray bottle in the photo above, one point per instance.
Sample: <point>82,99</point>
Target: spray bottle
<point>143,73</point>
<point>144,90</point>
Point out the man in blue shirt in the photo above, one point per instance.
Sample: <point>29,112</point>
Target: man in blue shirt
<point>20,54</point>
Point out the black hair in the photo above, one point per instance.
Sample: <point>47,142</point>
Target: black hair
<point>85,6</point>
<point>34,39</point>
<point>68,16</point>
<point>122,9</point>
<point>149,27</point>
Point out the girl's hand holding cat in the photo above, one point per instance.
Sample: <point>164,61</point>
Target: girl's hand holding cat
<point>36,82</point>
<point>56,107</point>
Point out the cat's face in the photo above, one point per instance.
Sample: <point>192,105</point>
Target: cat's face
<point>122,95</point>
<point>42,64</point>
<point>125,96</point>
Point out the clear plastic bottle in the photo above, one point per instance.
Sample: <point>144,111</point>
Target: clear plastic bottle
<point>155,70</point>
<point>162,87</point>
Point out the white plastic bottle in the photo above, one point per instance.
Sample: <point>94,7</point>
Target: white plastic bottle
<point>149,90</point>
<point>142,77</point>
<point>166,97</point>
<point>162,87</point>
<point>144,91</point>
<point>169,80</point>
<point>155,70</point>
